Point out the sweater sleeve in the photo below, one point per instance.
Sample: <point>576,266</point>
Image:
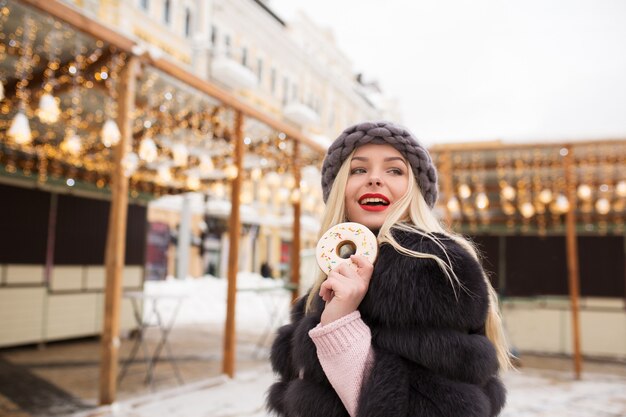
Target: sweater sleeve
<point>344,349</point>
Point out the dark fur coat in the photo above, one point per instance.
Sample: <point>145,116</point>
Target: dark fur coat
<point>431,355</point>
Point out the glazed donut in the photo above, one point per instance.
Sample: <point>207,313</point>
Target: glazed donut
<point>343,240</point>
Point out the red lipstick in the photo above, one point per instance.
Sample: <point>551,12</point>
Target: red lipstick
<point>377,207</point>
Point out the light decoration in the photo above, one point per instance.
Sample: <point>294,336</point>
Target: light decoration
<point>620,188</point>
<point>465,191</point>
<point>482,201</point>
<point>148,150</point>
<point>180,154</point>
<point>130,162</point>
<point>527,209</point>
<point>584,192</point>
<point>272,179</point>
<point>264,193</point>
<point>20,129</point>
<point>193,181</point>
<point>72,144</point>
<point>206,165</point>
<point>561,203</point>
<point>231,172</point>
<point>296,195</point>
<point>110,134</point>
<point>289,181</point>
<point>219,190</point>
<point>256,174</point>
<point>603,205</point>
<point>506,191</point>
<point>48,110</point>
<point>545,196</point>
<point>453,205</point>
<point>164,174</point>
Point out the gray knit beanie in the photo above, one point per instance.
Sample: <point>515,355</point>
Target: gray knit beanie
<point>382,133</point>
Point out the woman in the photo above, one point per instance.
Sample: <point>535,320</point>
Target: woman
<point>416,334</point>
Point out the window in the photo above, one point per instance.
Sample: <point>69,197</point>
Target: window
<point>294,93</point>
<point>167,6</point>
<point>187,22</point>
<point>213,35</point>
<point>285,90</point>
<point>244,56</point>
<point>273,80</point>
<point>145,4</point>
<point>259,69</point>
<point>227,45</point>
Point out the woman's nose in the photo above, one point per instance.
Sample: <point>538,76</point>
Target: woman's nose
<point>375,180</point>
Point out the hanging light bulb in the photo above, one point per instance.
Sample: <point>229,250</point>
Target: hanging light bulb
<point>231,172</point>
<point>465,191</point>
<point>72,144</point>
<point>584,191</point>
<point>206,165</point>
<point>181,154</point>
<point>482,201</point>
<point>130,162</point>
<point>508,208</point>
<point>219,190</point>
<point>620,188</point>
<point>527,209</point>
<point>148,150</point>
<point>48,110</point>
<point>164,174</point>
<point>264,193</point>
<point>283,195</point>
<point>453,205</point>
<point>562,203</point>
<point>111,134</point>
<point>256,174</point>
<point>296,195</point>
<point>507,192</point>
<point>545,196</point>
<point>193,181</point>
<point>272,179</point>
<point>603,205</point>
<point>289,181</point>
<point>246,197</point>
<point>20,130</point>
<point>309,203</point>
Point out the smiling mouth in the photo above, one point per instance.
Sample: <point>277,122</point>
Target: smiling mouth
<point>374,202</point>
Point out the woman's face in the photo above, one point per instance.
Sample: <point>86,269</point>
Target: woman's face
<point>379,177</point>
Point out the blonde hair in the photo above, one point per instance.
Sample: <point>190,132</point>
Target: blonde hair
<point>411,213</point>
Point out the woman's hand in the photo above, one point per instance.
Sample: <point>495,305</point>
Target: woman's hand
<point>345,288</point>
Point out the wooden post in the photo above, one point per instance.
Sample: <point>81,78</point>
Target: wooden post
<point>116,237</point>
<point>297,213</point>
<point>446,175</point>
<point>572,254</point>
<point>234,230</point>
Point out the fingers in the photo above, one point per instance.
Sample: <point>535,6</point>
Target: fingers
<point>364,266</point>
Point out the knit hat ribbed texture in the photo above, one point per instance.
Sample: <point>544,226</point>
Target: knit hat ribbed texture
<point>382,133</point>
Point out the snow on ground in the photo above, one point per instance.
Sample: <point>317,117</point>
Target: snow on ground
<point>205,300</point>
<point>532,393</point>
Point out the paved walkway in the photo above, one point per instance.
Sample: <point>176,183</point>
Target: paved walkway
<point>532,393</point>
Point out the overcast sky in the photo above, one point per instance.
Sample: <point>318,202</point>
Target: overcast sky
<point>466,70</point>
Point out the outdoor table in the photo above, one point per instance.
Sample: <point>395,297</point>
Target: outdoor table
<point>273,297</point>
<point>154,318</point>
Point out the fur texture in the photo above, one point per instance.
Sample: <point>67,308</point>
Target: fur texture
<point>431,356</point>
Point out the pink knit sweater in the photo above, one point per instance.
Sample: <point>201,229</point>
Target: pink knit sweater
<point>344,349</point>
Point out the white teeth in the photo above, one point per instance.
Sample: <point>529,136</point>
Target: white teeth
<point>373,200</point>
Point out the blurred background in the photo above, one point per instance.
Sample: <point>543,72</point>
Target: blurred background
<point>160,188</point>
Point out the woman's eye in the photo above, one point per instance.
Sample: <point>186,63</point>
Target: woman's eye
<point>357,171</point>
<point>395,171</point>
